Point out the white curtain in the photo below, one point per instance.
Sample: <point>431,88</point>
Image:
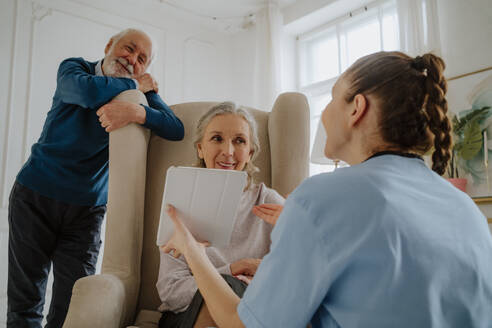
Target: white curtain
<point>267,67</point>
<point>419,26</point>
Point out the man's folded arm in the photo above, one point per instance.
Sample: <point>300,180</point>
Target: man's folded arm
<point>161,119</point>
<point>76,85</point>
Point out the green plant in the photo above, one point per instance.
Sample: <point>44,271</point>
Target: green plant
<point>468,137</point>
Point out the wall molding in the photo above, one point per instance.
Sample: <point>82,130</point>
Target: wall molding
<point>470,73</point>
<point>38,13</point>
<point>40,10</point>
<point>141,21</point>
<point>84,17</point>
<point>10,96</point>
<point>3,300</point>
<point>4,224</point>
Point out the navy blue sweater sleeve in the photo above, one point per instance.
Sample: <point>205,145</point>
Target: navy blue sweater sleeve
<point>161,119</point>
<point>76,84</point>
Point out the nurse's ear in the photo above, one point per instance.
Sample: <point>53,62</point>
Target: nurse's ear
<point>360,106</point>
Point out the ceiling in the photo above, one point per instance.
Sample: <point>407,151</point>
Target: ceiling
<point>231,16</point>
<point>225,15</point>
<point>223,8</point>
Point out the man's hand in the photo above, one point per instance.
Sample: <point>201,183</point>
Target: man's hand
<point>147,83</point>
<point>117,114</point>
<point>245,267</point>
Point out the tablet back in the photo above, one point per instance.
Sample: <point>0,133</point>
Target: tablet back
<point>206,200</point>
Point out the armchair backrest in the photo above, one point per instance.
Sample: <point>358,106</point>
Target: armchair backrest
<point>283,163</point>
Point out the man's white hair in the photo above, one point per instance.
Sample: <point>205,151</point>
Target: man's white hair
<point>121,34</point>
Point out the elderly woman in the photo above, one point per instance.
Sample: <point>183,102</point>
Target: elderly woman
<point>226,138</point>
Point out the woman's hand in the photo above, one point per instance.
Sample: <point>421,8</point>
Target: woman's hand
<point>245,267</point>
<point>268,212</point>
<point>181,238</point>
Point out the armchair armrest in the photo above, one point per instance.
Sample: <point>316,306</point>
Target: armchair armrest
<point>97,301</point>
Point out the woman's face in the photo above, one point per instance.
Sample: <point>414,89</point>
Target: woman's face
<point>335,120</point>
<point>226,143</point>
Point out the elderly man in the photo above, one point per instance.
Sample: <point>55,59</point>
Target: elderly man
<point>58,202</point>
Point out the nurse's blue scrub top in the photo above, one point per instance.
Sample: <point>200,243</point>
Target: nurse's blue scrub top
<point>385,243</point>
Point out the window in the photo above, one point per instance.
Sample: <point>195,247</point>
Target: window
<point>326,52</point>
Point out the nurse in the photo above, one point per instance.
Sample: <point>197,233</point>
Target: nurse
<point>386,242</point>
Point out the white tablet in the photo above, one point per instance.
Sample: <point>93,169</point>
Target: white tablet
<point>206,200</point>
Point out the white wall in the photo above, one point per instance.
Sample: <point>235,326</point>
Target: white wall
<point>244,50</point>
<point>193,63</point>
<point>465,28</point>
<point>243,61</point>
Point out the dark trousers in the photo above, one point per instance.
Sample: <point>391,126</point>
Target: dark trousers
<point>43,231</point>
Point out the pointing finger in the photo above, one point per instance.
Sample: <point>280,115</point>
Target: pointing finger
<point>166,248</point>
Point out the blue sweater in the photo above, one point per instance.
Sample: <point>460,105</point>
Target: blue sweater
<point>69,162</point>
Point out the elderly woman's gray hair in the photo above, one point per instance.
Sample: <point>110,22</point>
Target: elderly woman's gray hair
<point>224,109</point>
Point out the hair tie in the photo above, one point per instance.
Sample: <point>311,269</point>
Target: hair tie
<point>418,63</point>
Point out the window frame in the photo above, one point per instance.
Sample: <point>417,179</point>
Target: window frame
<point>316,90</point>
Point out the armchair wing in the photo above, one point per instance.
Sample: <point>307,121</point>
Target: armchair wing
<point>109,299</point>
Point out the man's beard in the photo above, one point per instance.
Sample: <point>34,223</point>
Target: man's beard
<point>118,67</point>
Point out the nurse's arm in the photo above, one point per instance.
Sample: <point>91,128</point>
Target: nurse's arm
<point>221,300</point>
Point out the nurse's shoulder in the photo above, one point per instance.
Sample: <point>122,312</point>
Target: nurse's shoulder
<point>345,189</point>
<point>334,184</point>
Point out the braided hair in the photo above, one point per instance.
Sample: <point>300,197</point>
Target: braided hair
<point>411,94</point>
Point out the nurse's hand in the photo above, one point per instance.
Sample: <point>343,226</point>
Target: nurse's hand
<point>181,238</point>
<point>268,212</point>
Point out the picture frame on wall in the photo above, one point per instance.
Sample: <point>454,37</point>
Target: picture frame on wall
<point>470,104</point>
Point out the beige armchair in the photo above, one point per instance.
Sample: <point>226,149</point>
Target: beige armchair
<point>124,293</point>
